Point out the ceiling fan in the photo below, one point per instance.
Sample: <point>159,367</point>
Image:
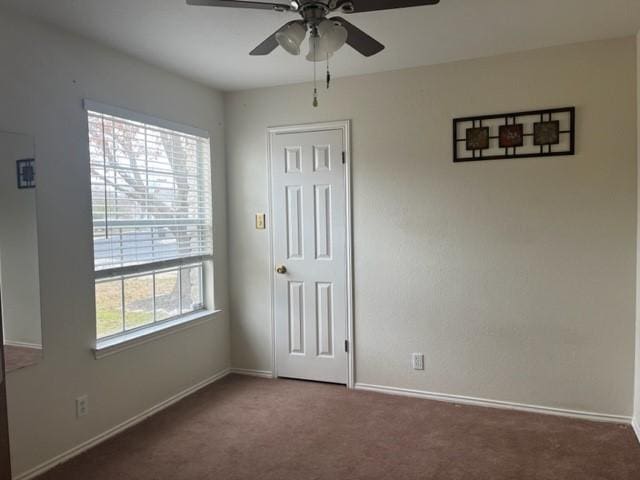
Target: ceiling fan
<point>326,35</point>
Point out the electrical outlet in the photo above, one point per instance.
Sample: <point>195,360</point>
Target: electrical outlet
<point>82,406</point>
<point>417,361</point>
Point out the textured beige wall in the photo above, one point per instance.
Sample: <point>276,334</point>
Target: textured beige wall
<point>636,410</point>
<point>515,278</point>
<point>44,77</point>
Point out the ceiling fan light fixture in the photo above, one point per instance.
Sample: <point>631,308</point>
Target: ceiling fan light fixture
<point>291,37</point>
<point>334,35</point>
<point>330,38</point>
<point>317,50</point>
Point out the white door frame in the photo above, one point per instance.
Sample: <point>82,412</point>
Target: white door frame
<point>345,127</point>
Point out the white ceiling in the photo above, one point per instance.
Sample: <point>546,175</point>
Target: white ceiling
<point>211,45</point>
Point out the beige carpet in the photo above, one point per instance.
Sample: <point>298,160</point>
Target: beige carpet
<point>249,428</point>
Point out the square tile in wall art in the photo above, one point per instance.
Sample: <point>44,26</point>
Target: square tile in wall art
<point>478,138</point>
<point>511,136</point>
<point>546,133</point>
<point>26,173</point>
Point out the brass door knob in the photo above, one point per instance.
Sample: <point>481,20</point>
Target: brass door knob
<point>281,269</point>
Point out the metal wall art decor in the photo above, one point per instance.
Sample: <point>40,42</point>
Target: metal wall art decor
<point>26,172</point>
<point>537,133</point>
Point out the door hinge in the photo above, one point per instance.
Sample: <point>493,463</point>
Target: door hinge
<point>346,346</point>
<point>344,158</point>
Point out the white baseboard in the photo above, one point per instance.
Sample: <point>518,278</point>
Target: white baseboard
<point>635,423</point>
<point>253,373</point>
<point>77,450</point>
<point>11,343</point>
<point>483,402</point>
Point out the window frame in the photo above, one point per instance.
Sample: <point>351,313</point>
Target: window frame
<point>202,307</point>
<point>121,274</point>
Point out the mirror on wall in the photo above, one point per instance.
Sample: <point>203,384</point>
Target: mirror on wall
<point>19,274</point>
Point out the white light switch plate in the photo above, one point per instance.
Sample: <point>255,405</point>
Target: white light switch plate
<point>417,361</point>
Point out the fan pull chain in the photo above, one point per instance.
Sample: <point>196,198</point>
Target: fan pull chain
<point>315,74</point>
<point>328,74</point>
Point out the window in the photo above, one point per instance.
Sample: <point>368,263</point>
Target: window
<point>152,219</point>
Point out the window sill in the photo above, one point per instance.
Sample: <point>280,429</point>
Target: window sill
<point>110,346</point>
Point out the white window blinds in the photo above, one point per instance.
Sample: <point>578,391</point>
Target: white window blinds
<point>151,193</point>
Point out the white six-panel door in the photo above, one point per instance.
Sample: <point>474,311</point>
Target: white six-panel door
<point>310,254</point>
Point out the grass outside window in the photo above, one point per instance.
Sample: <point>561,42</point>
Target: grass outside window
<point>128,303</point>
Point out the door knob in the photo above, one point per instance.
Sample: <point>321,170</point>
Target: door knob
<point>281,269</point>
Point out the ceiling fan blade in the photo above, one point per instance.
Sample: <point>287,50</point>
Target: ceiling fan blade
<point>359,40</point>
<point>374,5</point>
<point>270,43</point>
<point>278,7</point>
